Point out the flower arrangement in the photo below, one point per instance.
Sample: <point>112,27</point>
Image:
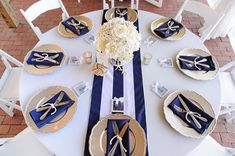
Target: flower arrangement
<point>118,39</point>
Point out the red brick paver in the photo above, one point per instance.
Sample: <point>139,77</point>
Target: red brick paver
<point>17,42</point>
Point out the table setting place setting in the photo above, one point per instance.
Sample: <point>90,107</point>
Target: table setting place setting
<point>118,57</point>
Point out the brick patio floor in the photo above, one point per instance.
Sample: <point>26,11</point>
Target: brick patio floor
<point>17,42</point>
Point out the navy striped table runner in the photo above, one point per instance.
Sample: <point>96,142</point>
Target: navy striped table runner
<point>118,89</point>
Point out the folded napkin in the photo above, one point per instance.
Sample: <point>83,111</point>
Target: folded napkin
<point>121,12</point>
<point>200,63</point>
<point>202,117</point>
<point>75,26</point>
<point>111,136</point>
<point>45,58</point>
<point>50,116</point>
<point>168,28</point>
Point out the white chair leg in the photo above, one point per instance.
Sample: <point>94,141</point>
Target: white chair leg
<point>9,106</point>
<point>179,18</point>
<point>112,3</point>
<point>7,110</point>
<point>229,117</point>
<point>227,110</point>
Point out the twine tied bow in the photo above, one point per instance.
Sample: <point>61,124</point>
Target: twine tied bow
<point>170,27</point>
<point>193,115</point>
<point>48,106</point>
<point>45,57</point>
<point>121,13</point>
<point>77,26</point>
<point>197,63</point>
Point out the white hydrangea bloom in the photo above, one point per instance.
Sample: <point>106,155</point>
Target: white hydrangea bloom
<point>118,39</point>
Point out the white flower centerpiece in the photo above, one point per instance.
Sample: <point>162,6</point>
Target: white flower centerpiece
<point>118,40</point>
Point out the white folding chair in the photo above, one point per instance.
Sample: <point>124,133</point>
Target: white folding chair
<point>134,4</point>
<point>211,147</point>
<point>211,17</point>
<point>40,7</point>
<point>157,3</point>
<point>227,83</point>
<point>24,144</point>
<point>9,83</point>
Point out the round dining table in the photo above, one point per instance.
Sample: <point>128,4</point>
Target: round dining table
<point>162,139</point>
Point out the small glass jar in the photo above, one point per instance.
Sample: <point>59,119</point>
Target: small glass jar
<point>147,58</point>
<point>87,57</point>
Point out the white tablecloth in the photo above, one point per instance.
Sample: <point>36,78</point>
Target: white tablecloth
<point>162,139</point>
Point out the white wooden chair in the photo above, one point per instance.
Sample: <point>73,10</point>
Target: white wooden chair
<point>134,4</point>
<point>211,148</point>
<point>227,83</point>
<point>211,17</point>
<point>23,144</point>
<point>9,83</point>
<point>157,3</point>
<point>40,7</point>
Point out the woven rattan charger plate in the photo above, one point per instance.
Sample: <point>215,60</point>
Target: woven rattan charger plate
<point>177,36</point>
<point>98,137</point>
<point>132,14</point>
<point>198,75</point>
<point>178,124</point>
<point>49,48</point>
<point>69,34</point>
<point>43,96</point>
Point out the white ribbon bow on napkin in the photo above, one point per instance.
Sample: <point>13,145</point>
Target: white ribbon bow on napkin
<point>45,57</point>
<point>77,26</point>
<point>121,14</point>
<point>195,62</point>
<point>119,136</point>
<point>48,106</point>
<point>193,115</point>
<point>170,27</point>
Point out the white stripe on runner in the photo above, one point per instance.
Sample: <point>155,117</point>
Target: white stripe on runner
<point>129,93</point>
<point>107,93</point>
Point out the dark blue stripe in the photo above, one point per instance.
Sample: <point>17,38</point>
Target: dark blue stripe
<point>117,83</point>
<point>139,91</point>
<point>94,109</point>
<point>95,105</point>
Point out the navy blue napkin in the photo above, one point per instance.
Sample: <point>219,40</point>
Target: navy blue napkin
<point>163,33</point>
<point>111,134</point>
<point>121,10</point>
<point>60,109</point>
<point>79,32</point>
<point>209,61</point>
<point>192,108</point>
<point>45,62</point>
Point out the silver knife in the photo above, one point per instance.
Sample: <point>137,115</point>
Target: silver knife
<point>188,110</point>
<point>115,128</point>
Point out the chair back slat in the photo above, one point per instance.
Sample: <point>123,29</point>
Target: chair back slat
<point>211,17</point>
<point>202,10</point>
<point>39,8</point>
<point>134,4</point>
<point>7,60</point>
